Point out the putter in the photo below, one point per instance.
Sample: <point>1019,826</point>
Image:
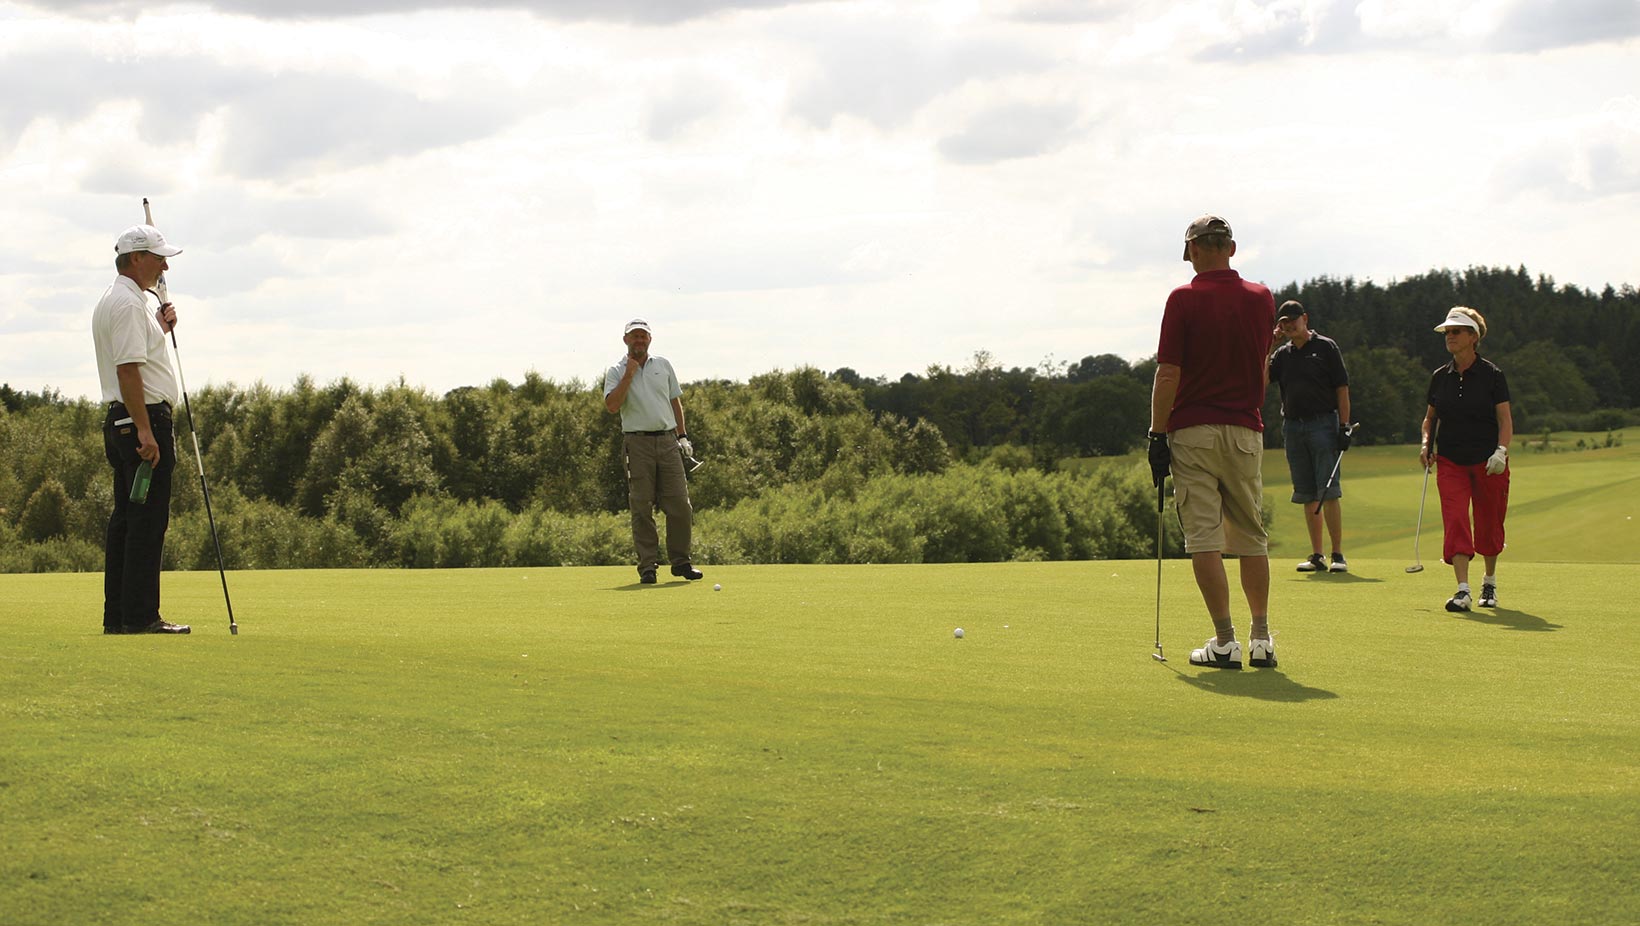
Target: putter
<point>1350,430</point>
<point>1417,561</point>
<point>160,293</point>
<point>690,464</point>
<point>1418,534</point>
<point>1159,656</point>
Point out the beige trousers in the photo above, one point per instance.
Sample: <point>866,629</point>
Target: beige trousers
<point>655,479</point>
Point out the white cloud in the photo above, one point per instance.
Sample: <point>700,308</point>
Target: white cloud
<point>1011,131</point>
<point>459,194</point>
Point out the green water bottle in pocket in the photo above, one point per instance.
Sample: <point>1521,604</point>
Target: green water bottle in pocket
<point>139,485</point>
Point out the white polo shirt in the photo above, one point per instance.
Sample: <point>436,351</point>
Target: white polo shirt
<point>125,330</point>
<point>648,405</point>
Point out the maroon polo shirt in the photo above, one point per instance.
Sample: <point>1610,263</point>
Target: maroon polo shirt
<point>1217,330</point>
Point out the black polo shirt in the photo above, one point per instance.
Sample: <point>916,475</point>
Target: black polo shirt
<point>1466,407</point>
<point>1309,377</point>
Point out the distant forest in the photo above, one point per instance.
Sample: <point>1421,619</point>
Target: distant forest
<point>803,466</point>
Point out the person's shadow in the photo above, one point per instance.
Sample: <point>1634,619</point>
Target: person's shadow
<point>1264,684</point>
<point>1511,620</point>
<point>1344,577</point>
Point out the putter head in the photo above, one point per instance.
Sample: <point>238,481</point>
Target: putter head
<point>1418,567</point>
<point>690,464</point>
<point>1158,655</point>
<point>233,629</point>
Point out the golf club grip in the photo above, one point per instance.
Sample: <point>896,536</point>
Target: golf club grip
<point>159,286</point>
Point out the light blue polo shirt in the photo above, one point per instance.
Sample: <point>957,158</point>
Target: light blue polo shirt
<point>648,405</point>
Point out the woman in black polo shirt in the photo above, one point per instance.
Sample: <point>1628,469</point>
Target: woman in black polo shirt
<point>1467,430</point>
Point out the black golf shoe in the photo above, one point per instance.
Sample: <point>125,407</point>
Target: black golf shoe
<point>161,627</point>
<point>1460,602</point>
<point>647,578</point>
<point>688,572</point>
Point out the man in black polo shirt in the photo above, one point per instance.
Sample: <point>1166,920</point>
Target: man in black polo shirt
<point>1315,410</point>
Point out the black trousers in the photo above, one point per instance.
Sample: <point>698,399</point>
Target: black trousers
<point>136,532</point>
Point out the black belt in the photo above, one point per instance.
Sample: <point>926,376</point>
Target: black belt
<point>651,433</point>
<point>1303,418</point>
<point>152,406</point>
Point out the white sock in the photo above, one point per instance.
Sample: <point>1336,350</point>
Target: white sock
<point>1463,586</point>
<point>1489,580</point>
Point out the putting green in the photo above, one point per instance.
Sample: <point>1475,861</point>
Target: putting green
<point>1564,507</point>
<point>811,745</point>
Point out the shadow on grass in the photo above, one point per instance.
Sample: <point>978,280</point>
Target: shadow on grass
<point>1264,684</point>
<point>1346,577</point>
<point>1512,620</point>
<point>639,586</point>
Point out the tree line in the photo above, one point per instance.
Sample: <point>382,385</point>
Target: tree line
<point>1572,358</point>
<point>802,466</point>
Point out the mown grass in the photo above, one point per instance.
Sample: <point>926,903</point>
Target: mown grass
<point>811,745</point>
<point>1565,505</point>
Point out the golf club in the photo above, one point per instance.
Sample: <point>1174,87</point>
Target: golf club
<point>1319,499</point>
<point>1418,534</point>
<point>164,298</point>
<point>1159,656</point>
<point>690,464</point>
<point>1417,561</point>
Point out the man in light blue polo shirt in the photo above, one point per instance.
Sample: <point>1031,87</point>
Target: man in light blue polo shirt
<point>644,391</point>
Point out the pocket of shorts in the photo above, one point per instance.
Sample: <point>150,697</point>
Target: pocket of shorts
<point>1248,441</point>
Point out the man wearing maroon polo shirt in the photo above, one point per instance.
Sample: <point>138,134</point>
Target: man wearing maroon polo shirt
<point>1206,426</point>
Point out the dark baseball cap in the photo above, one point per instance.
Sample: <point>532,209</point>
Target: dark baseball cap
<point>1206,225</point>
<point>1292,308</point>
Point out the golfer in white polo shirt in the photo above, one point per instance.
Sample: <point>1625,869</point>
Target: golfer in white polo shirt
<point>643,389</point>
<point>139,389</point>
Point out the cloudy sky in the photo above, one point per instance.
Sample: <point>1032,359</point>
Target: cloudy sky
<point>454,193</point>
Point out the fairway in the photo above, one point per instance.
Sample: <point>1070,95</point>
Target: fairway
<point>811,745</point>
<point>1564,507</point>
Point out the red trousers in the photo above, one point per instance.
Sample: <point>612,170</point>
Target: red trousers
<point>1463,487</point>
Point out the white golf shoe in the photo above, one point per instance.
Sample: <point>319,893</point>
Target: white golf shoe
<point>1214,655</point>
<point>1459,602</point>
<point>1261,653</point>
<point>1489,595</point>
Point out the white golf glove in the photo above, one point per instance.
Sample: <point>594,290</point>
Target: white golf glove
<point>688,448</point>
<point>1498,462</point>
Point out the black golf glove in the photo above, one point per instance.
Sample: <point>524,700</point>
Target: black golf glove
<point>1343,438</point>
<point>1161,457</point>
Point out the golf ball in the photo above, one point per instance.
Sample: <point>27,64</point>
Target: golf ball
<point>717,588</point>
<point>957,633</point>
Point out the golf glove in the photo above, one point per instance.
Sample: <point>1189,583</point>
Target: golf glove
<point>1161,457</point>
<point>1498,462</point>
<point>1343,438</point>
<point>686,446</point>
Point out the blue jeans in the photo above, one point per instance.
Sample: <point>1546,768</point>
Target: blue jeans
<point>1312,450</point>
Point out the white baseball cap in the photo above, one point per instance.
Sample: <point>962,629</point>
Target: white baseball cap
<point>1457,319</point>
<point>637,324</point>
<point>144,238</point>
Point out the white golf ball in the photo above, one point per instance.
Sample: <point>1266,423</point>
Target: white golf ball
<point>957,633</point>
<point>717,588</point>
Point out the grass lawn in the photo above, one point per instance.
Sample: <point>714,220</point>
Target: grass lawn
<point>1565,505</point>
<point>811,745</point>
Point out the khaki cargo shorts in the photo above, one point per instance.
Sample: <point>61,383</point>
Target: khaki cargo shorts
<point>1218,488</point>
